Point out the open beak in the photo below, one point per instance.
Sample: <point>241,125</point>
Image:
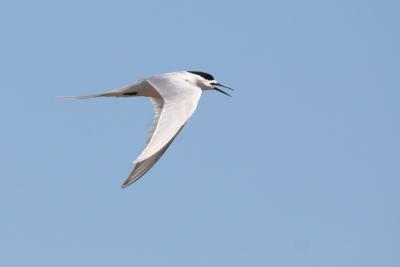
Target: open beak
<point>221,85</point>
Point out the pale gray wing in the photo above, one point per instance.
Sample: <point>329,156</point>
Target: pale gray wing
<point>143,166</point>
<point>179,101</point>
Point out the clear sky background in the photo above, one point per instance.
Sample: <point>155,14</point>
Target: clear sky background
<point>300,167</point>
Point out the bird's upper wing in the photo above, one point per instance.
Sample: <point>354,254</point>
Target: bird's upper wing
<point>177,103</point>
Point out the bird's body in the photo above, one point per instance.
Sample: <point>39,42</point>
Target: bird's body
<point>174,97</point>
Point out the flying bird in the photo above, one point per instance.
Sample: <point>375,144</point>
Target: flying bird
<point>174,96</point>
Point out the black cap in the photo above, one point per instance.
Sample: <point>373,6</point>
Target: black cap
<point>205,75</point>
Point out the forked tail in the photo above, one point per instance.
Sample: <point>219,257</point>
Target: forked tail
<point>78,97</point>
<point>91,96</point>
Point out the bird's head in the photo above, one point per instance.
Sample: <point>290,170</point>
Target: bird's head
<point>207,82</point>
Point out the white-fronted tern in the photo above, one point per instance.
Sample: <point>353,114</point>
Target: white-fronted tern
<point>174,97</point>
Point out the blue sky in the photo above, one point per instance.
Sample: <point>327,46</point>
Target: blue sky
<point>299,168</point>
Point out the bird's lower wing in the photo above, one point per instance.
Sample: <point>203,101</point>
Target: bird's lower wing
<point>177,103</point>
<point>143,166</point>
